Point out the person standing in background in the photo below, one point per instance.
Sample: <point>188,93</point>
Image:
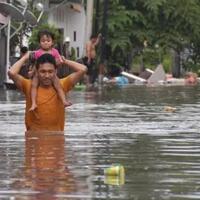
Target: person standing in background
<point>66,48</point>
<point>89,59</point>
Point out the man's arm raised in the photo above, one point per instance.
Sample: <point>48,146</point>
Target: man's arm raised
<point>99,37</point>
<point>79,70</point>
<point>13,72</point>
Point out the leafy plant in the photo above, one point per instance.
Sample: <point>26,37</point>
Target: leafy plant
<point>168,23</point>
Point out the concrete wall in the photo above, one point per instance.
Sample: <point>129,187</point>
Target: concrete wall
<point>73,24</point>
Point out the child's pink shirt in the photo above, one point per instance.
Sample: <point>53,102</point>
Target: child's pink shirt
<point>54,52</point>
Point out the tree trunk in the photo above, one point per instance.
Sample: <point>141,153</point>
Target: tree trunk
<point>96,22</point>
<point>176,65</point>
<point>104,31</point>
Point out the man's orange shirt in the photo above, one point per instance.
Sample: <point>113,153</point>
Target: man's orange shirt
<point>50,113</point>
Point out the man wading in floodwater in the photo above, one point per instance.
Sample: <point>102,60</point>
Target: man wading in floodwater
<point>50,113</point>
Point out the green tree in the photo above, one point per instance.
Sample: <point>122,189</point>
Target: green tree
<point>118,38</point>
<point>167,23</point>
<point>171,24</point>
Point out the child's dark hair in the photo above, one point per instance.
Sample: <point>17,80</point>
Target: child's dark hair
<point>45,32</point>
<point>24,49</point>
<point>46,58</point>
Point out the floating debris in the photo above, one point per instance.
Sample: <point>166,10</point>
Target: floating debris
<point>114,175</point>
<point>169,109</point>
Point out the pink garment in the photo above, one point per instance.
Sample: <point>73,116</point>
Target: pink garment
<point>54,52</point>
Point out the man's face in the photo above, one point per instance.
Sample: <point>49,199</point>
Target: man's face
<point>46,73</point>
<point>94,40</point>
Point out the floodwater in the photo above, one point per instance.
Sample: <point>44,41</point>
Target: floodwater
<point>159,150</point>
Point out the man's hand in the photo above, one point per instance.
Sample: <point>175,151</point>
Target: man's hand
<point>74,65</point>
<point>13,72</point>
<point>62,60</point>
<point>27,55</point>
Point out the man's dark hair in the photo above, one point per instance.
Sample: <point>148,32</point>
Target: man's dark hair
<point>45,32</point>
<point>93,36</point>
<point>46,58</point>
<point>115,71</point>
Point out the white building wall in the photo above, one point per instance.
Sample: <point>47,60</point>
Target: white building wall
<point>72,22</point>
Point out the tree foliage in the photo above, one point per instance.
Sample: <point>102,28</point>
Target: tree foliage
<point>172,24</point>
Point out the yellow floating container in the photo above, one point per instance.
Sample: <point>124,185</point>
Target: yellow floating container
<point>114,170</point>
<point>114,180</point>
<point>114,175</point>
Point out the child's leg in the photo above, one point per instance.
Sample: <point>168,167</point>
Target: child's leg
<point>60,92</point>
<point>34,86</point>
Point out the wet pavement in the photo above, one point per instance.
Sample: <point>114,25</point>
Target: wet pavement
<point>159,149</point>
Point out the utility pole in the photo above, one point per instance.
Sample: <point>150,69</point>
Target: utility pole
<point>89,19</point>
<point>96,25</point>
<point>104,30</point>
<point>176,67</point>
<point>103,42</point>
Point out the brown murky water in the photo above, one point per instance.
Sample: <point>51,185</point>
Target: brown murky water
<point>159,150</point>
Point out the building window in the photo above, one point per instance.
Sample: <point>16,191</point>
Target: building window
<point>74,36</point>
<point>77,51</point>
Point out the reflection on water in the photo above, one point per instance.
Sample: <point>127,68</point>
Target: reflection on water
<point>45,169</point>
<point>129,126</point>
